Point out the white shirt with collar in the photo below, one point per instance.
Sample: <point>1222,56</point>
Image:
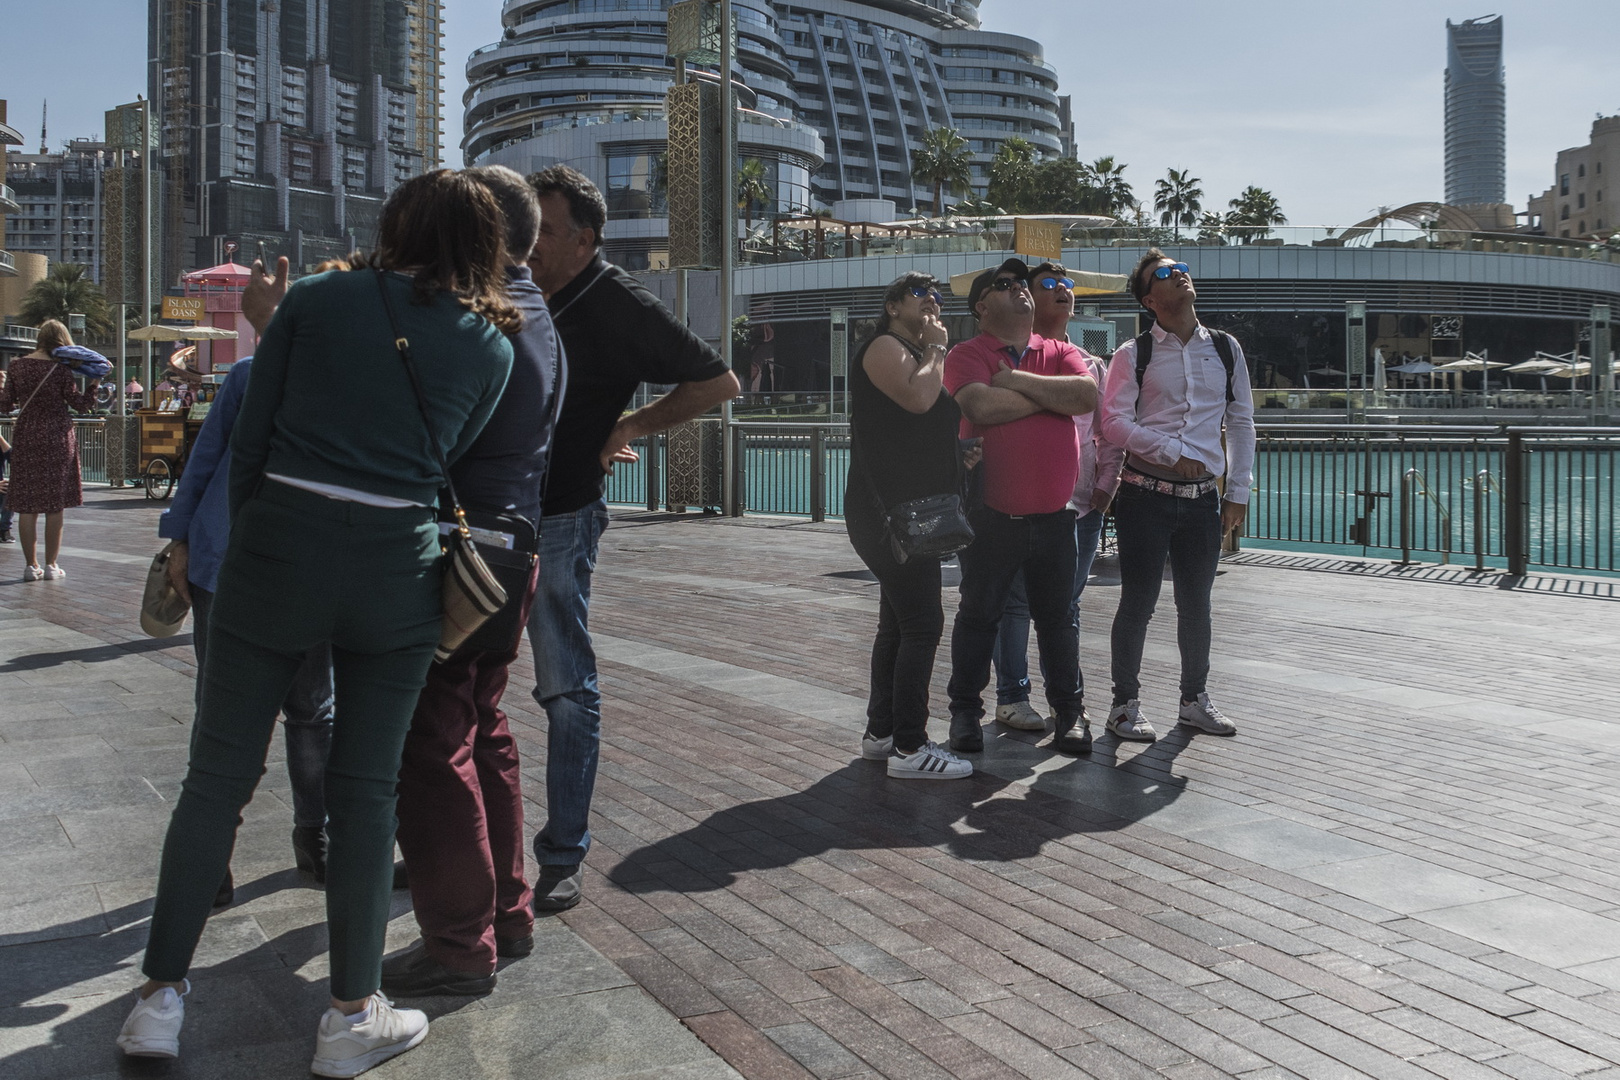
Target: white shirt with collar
<point>1182,408</point>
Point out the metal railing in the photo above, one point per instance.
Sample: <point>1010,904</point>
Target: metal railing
<point>7,261</point>
<point>91,436</point>
<point>1503,497</point>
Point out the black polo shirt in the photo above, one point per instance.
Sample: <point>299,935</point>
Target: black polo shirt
<point>617,336</point>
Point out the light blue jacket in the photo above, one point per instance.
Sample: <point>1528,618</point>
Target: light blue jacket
<point>200,514</point>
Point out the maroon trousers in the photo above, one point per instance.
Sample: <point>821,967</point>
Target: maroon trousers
<point>461,811</point>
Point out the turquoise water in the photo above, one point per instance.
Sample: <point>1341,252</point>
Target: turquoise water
<point>1306,497</point>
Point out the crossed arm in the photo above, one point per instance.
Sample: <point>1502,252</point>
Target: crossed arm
<point>1013,394</point>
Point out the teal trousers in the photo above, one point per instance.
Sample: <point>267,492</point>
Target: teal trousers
<point>302,569</point>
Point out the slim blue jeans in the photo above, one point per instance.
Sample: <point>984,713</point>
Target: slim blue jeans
<point>1153,527</point>
<point>1012,641</point>
<point>1042,545</point>
<point>565,680</point>
<point>306,716</point>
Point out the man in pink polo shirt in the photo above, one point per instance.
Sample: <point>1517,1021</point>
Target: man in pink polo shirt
<point>1019,392</point>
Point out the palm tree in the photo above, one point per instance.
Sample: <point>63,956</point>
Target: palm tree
<point>1107,180</point>
<point>943,161</point>
<point>1255,211</point>
<point>66,290</point>
<point>1011,174</point>
<point>1178,199</point>
<point>752,187</point>
<point>1212,227</point>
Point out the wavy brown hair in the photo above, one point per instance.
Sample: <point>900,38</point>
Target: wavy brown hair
<point>446,230</point>
<point>53,335</point>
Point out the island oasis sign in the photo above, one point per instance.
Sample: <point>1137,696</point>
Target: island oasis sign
<point>189,308</point>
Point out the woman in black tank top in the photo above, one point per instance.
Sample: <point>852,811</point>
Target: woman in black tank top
<point>904,447</point>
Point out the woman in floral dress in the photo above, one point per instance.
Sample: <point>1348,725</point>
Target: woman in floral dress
<point>45,455</point>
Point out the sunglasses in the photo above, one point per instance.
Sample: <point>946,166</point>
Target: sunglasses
<point>932,294</point>
<point>1050,283</point>
<point>1006,283</point>
<point>1162,272</point>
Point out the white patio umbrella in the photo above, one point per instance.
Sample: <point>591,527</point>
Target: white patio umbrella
<point>1479,362</point>
<point>160,332</point>
<point>1538,365</point>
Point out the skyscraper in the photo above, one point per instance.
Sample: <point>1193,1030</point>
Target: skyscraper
<point>288,123</point>
<point>1476,113</point>
<point>835,99</point>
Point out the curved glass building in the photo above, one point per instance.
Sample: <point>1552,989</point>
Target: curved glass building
<point>1476,113</point>
<point>835,97</point>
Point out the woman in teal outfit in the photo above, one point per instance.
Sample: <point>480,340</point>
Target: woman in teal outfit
<point>334,539</point>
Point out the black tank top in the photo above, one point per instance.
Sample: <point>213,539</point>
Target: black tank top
<point>907,455</point>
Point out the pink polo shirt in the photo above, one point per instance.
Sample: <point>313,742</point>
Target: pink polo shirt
<point>1030,465</point>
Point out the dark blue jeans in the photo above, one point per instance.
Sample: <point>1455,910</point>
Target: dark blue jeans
<point>1012,641</point>
<point>565,680</point>
<point>306,716</point>
<point>1153,527</point>
<point>1043,547</point>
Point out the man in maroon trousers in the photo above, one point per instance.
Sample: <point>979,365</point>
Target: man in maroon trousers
<point>460,801</point>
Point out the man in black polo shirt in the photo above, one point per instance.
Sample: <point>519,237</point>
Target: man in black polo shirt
<point>618,336</point>
<point>460,793</point>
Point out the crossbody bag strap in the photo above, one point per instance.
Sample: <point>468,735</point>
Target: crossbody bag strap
<point>403,346</point>
<point>37,388</point>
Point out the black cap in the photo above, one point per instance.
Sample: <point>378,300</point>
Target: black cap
<point>1047,269</point>
<point>982,282</point>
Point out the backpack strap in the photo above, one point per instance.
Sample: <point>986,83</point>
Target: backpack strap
<point>1223,346</point>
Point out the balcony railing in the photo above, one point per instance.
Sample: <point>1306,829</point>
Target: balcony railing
<point>8,265</point>
<point>8,200</point>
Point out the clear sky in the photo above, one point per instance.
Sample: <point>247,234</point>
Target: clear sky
<point>1335,107</point>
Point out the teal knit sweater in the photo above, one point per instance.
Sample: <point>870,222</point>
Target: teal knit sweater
<point>328,399</point>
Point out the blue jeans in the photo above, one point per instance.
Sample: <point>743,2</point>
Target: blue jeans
<point>1012,642</point>
<point>306,716</point>
<point>565,680</point>
<point>1042,546</point>
<point>1153,527</point>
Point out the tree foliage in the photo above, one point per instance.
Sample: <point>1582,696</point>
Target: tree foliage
<point>1178,198</point>
<point>1111,193</point>
<point>1254,212</point>
<point>752,189</point>
<point>944,163</point>
<point>67,290</point>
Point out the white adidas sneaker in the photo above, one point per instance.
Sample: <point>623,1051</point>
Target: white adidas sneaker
<point>347,1049</point>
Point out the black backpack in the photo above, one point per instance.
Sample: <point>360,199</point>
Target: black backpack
<point>1223,345</point>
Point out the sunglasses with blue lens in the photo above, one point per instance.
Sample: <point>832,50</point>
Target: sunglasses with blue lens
<point>1050,283</point>
<point>932,294</point>
<point>1162,272</point>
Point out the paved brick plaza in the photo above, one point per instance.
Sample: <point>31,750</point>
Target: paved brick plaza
<point>1404,866</point>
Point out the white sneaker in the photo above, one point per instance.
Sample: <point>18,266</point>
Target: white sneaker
<point>875,749</point>
<point>345,1049</point>
<point>52,572</point>
<point>1020,716</point>
<point>930,762</point>
<point>1127,722</point>
<point>153,1027</point>
<point>32,573</point>
<point>1203,715</point>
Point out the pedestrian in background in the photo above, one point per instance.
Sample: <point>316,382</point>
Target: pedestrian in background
<point>44,450</point>
<point>903,447</point>
<point>1052,291</point>
<point>199,523</point>
<point>618,336</point>
<point>335,538</point>
<point>1177,405</point>
<point>460,780</point>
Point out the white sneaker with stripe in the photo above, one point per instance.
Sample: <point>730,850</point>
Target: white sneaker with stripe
<point>929,762</point>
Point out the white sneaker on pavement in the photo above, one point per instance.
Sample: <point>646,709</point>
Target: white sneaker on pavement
<point>32,573</point>
<point>1020,716</point>
<point>930,762</point>
<point>875,749</point>
<point>52,572</point>
<point>1204,716</point>
<point>348,1049</point>
<point>153,1027</point>
<point>1127,722</point>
